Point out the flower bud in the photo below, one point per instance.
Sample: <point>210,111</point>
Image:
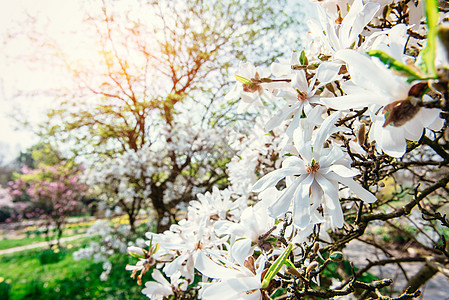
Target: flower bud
<point>312,266</point>
<point>136,252</point>
<point>336,256</point>
<point>293,271</point>
<point>443,34</point>
<point>361,135</point>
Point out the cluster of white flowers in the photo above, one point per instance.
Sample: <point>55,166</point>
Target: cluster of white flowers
<point>113,240</point>
<point>129,175</point>
<point>350,72</point>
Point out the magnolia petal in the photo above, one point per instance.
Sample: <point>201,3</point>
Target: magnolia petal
<point>328,72</point>
<point>354,101</point>
<point>357,189</point>
<point>285,113</point>
<point>175,265</point>
<point>323,132</point>
<point>329,189</point>
<point>279,70</point>
<point>413,129</point>
<point>331,199</point>
<point>240,250</point>
<point>392,140</point>
<point>234,92</point>
<point>294,162</point>
<point>211,269</point>
<point>282,204</point>
<point>155,290</point>
<point>301,203</point>
<point>273,178</point>
<point>333,156</point>
<point>157,275</point>
<point>344,171</point>
<point>299,81</point>
<point>430,117</point>
<point>294,124</point>
<point>335,211</point>
<point>361,18</point>
<point>375,78</point>
<point>232,288</point>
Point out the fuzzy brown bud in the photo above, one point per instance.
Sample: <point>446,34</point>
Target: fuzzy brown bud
<point>312,266</point>
<point>361,135</point>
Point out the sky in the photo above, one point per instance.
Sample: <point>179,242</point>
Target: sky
<point>16,76</point>
<point>58,17</point>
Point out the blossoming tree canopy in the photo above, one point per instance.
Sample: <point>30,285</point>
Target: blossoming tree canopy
<point>365,101</point>
<point>51,193</point>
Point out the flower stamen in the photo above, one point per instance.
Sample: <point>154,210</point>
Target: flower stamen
<point>302,96</point>
<point>313,167</point>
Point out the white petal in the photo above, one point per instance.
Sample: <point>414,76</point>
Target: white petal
<point>272,178</point>
<point>357,189</point>
<point>392,140</point>
<point>157,275</point>
<point>344,171</point>
<point>328,189</point>
<point>175,265</point>
<point>324,132</point>
<point>285,113</point>
<point>301,203</point>
<point>282,204</point>
<point>413,129</point>
<point>231,288</point>
<point>211,269</point>
<point>240,250</point>
<point>328,72</point>
<point>428,116</point>
<point>333,156</point>
<point>378,79</point>
<point>332,200</point>
<point>280,70</point>
<point>355,101</point>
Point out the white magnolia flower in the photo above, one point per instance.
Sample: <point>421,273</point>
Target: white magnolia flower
<point>158,289</point>
<point>250,94</point>
<point>312,178</point>
<point>299,97</point>
<point>236,282</point>
<point>342,33</point>
<point>254,222</point>
<point>373,85</point>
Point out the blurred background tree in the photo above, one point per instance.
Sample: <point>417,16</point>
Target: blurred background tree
<point>150,69</point>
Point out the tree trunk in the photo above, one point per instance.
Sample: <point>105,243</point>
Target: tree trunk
<point>132,221</point>
<point>59,227</point>
<point>421,277</point>
<point>162,224</point>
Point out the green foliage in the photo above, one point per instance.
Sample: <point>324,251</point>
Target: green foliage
<point>4,290</point>
<point>66,279</point>
<point>428,54</point>
<point>50,256</point>
<point>40,153</point>
<point>395,64</point>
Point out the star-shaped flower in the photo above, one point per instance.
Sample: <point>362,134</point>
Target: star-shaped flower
<point>313,177</point>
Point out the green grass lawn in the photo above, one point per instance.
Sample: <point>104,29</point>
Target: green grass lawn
<point>11,243</point>
<point>65,279</point>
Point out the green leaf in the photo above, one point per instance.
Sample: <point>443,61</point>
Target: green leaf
<point>428,54</point>
<point>303,59</point>
<point>243,80</point>
<point>336,256</point>
<point>276,266</point>
<point>395,64</point>
<point>288,262</point>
